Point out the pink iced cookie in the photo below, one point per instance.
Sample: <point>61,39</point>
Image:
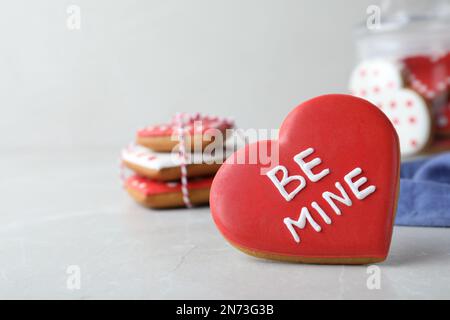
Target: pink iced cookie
<point>199,131</point>
<point>196,125</point>
<point>160,195</point>
<point>372,79</point>
<point>410,115</point>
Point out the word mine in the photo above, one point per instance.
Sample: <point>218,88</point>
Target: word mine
<point>353,179</point>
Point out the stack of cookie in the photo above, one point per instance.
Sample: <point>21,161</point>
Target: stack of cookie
<point>414,92</point>
<point>174,164</point>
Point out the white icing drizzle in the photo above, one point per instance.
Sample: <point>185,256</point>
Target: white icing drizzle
<point>172,184</point>
<point>418,85</point>
<point>142,185</point>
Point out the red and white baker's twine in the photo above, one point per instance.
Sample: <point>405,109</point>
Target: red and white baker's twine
<point>180,124</point>
<point>180,121</point>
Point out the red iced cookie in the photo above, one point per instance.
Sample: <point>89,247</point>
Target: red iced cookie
<point>428,75</point>
<point>330,197</point>
<point>443,120</point>
<point>199,131</point>
<point>197,125</point>
<point>151,187</point>
<point>159,195</point>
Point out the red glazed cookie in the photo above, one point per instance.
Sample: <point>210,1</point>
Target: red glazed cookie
<point>443,120</point>
<point>330,198</point>
<point>428,75</point>
<point>162,195</point>
<point>199,132</point>
<point>411,117</point>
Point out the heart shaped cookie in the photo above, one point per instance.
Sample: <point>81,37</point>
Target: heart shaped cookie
<point>428,75</point>
<point>328,197</point>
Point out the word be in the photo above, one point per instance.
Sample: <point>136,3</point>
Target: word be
<point>329,197</point>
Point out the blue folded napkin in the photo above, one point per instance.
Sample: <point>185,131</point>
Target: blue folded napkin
<point>425,192</point>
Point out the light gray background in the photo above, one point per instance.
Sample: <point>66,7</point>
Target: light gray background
<point>71,99</point>
<point>137,62</point>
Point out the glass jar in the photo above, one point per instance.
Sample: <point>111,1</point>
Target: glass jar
<point>415,36</point>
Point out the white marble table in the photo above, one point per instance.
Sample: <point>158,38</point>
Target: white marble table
<point>66,208</point>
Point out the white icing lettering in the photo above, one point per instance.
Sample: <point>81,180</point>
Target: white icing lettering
<point>345,199</point>
<point>353,179</point>
<point>308,166</point>
<point>286,179</point>
<point>322,213</point>
<point>330,198</point>
<point>355,185</point>
<point>301,223</point>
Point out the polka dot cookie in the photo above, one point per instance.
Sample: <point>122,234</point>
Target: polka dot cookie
<point>162,195</point>
<point>372,79</point>
<point>411,118</point>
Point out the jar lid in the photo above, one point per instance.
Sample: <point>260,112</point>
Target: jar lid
<point>400,14</point>
<point>402,27</point>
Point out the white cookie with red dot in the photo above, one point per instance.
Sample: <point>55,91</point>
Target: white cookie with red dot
<point>167,166</point>
<point>411,118</point>
<point>373,79</point>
